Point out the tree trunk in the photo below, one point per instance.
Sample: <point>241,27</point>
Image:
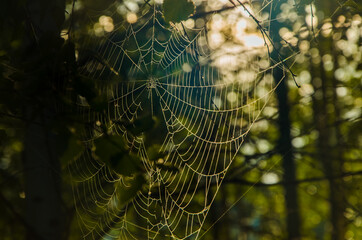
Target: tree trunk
<point>284,145</point>
<point>42,181</point>
<point>327,115</point>
<point>41,163</point>
<point>286,151</point>
<point>288,164</point>
<point>329,148</point>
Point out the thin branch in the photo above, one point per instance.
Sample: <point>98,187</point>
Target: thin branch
<point>311,22</point>
<point>203,14</point>
<point>147,2</point>
<point>71,20</point>
<point>263,31</point>
<point>33,31</point>
<point>314,179</point>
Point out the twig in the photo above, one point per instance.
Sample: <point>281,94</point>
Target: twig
<point>311,22</point>
<point>148,2</point>
<point>202,14</point>
<point>306,180</point>
<point>28,17</point>
<point>264,32</point>
<point>71,20</point>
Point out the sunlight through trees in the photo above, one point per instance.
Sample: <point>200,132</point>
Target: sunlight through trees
<point>180,119</point>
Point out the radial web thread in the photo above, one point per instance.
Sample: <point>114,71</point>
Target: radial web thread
<point>167,75</point>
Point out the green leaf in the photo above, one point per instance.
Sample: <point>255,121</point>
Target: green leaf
<point>112,151</point>
<point>85,87</point>
<point>72,151</point>
<point>128,189</point>
<point>99,103</point>
<point>108,147</point>
<point>69,146</point>
<point>141,125</point>
<point>126,164</point>
<point>154,153</point>
<point>177,10</point>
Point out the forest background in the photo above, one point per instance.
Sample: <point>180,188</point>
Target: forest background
<point>297,174</point>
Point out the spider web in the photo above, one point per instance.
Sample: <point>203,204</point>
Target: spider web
<point>172,78</point>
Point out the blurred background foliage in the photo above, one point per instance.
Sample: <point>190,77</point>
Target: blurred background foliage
<point>41,127</point>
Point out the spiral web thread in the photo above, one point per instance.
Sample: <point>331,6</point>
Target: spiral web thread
<point>167,74</point>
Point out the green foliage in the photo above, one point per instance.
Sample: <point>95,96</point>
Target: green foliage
<point>69,148</point>
<point>44,74</point>
<point>177,10</point>
<point>112,151</point>
<point>86,88</point>
<point>141,125</point>
<point>128,190</point>
<point>154,152</point>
